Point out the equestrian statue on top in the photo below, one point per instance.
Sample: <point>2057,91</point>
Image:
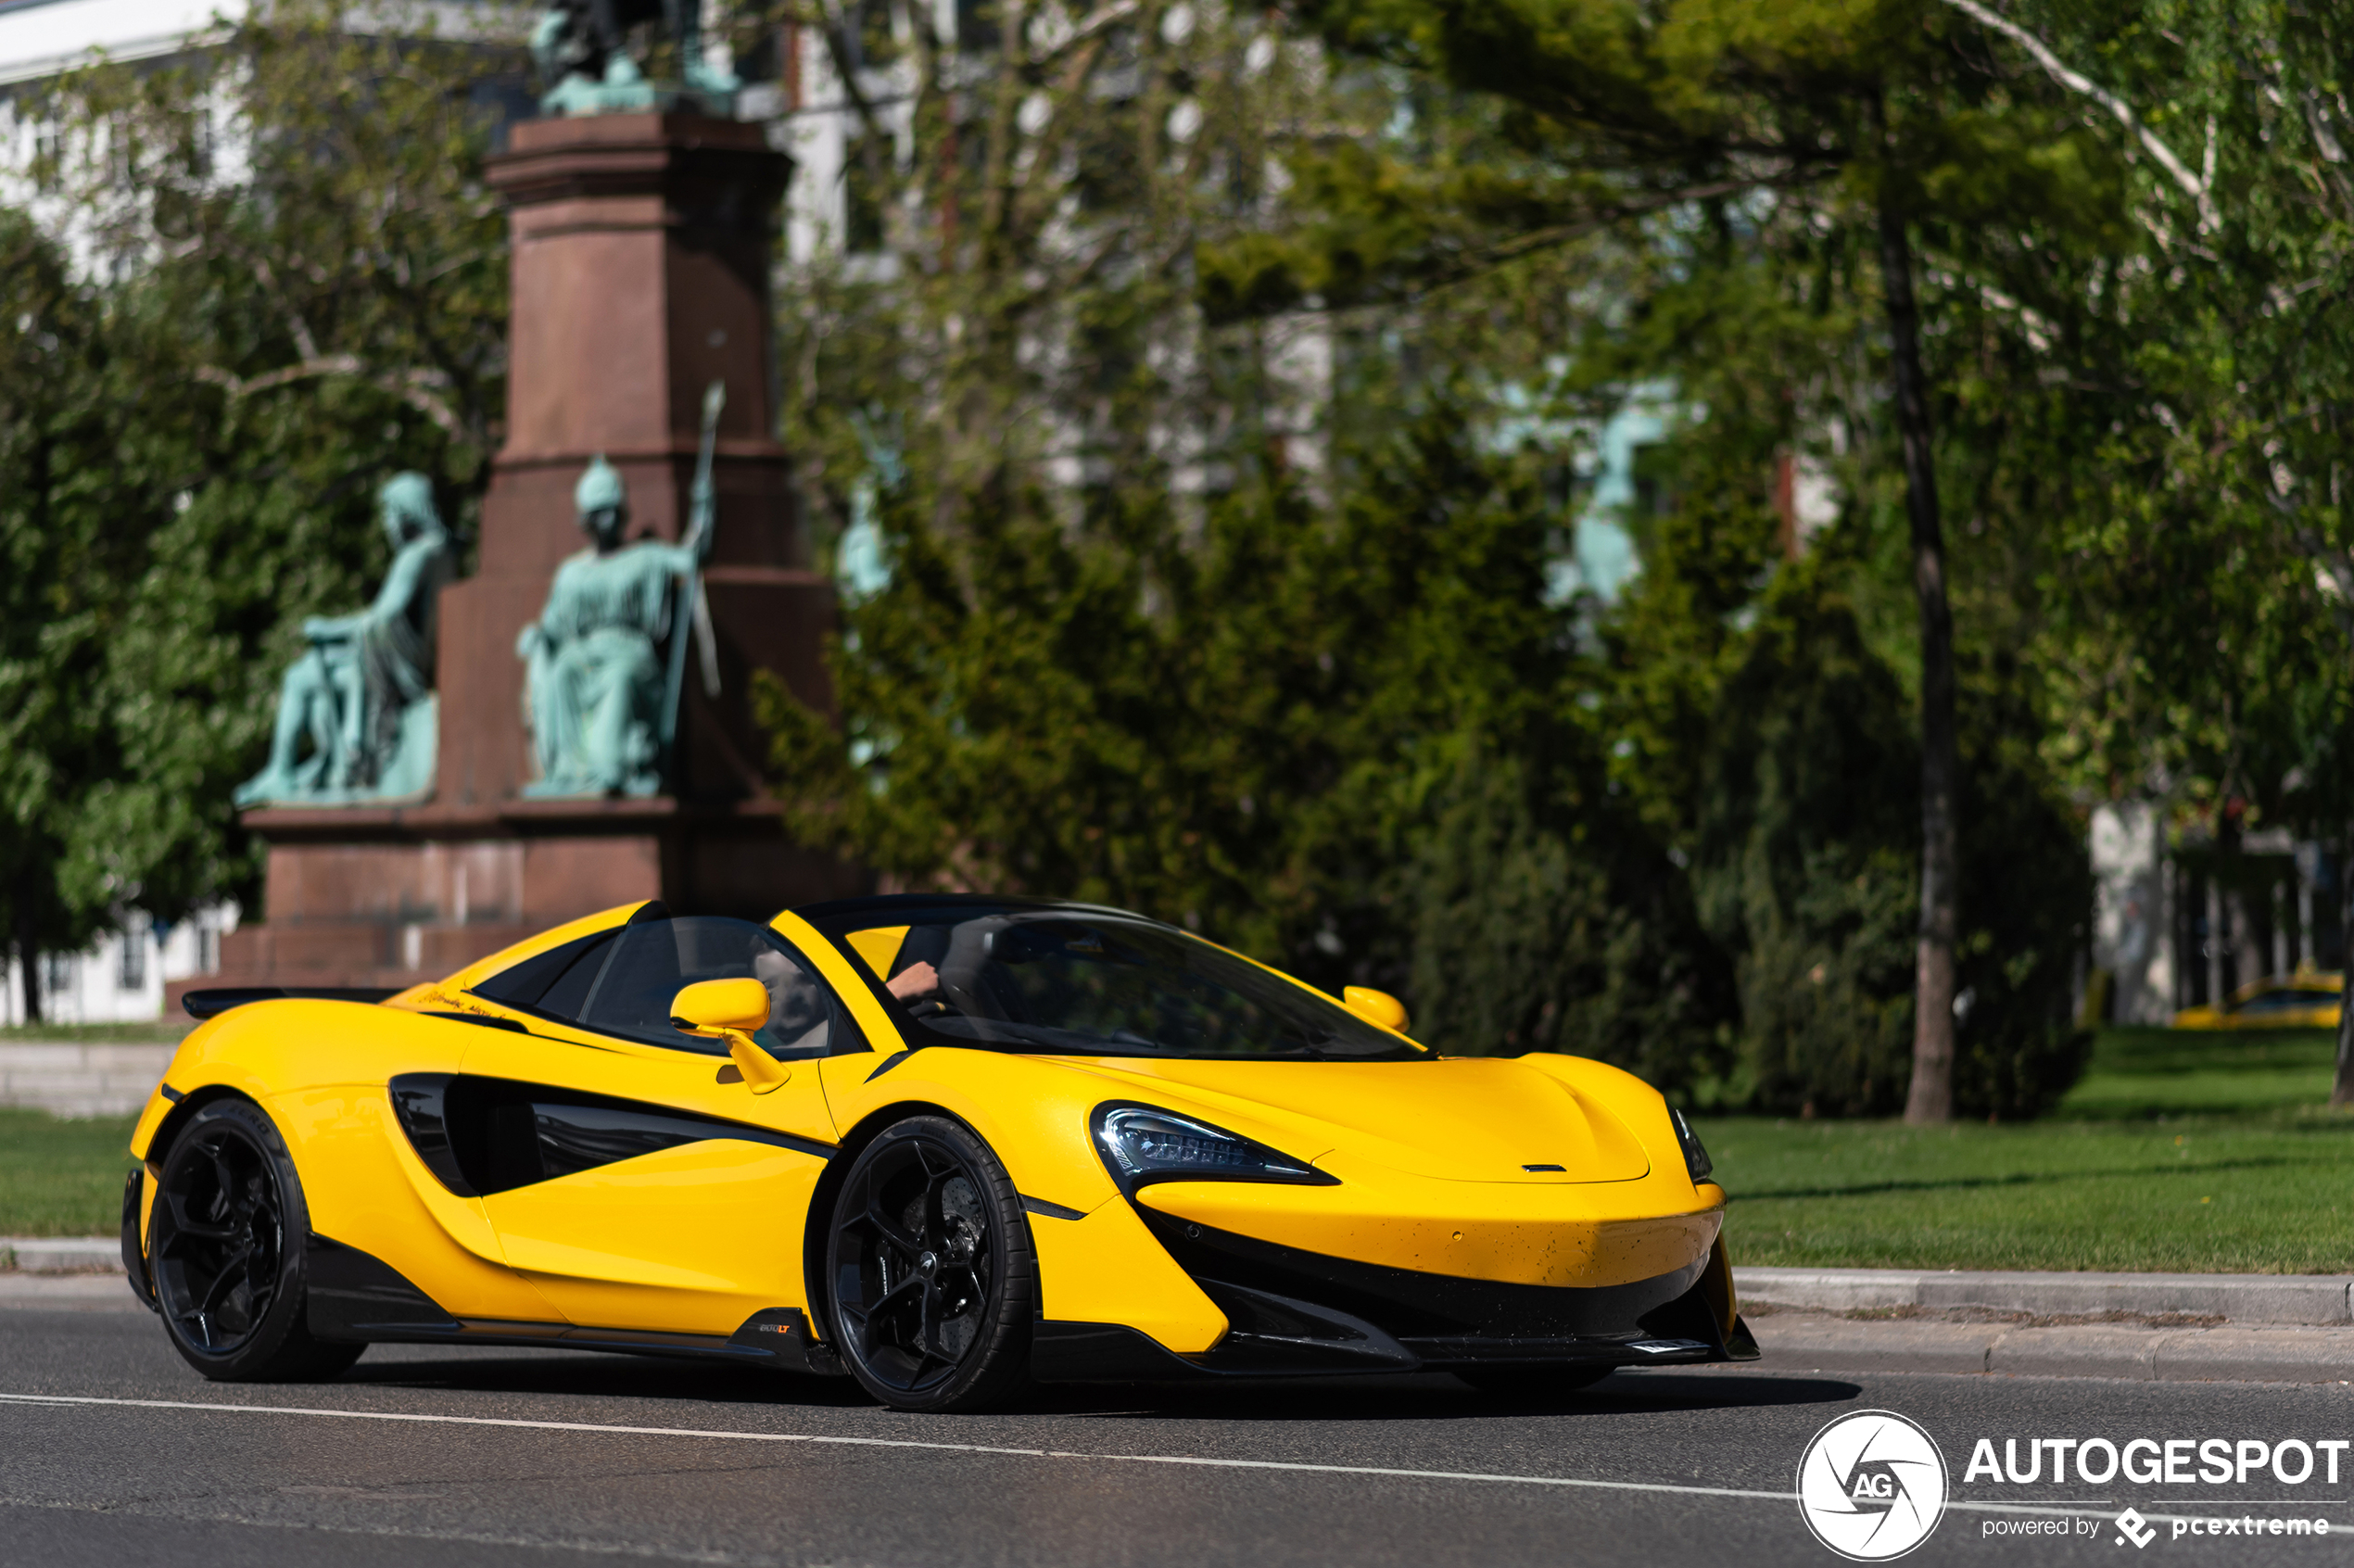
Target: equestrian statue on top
<point>581,47</point>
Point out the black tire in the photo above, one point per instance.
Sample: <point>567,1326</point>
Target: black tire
<point>225,1249</point>
<point>1531,1382</point>
<point>930,1279</point>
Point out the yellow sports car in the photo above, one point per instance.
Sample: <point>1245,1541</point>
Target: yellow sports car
<point>2304,1000</point>
<point>943,1145</point>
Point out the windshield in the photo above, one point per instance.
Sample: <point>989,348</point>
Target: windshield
<point>1074,981</point>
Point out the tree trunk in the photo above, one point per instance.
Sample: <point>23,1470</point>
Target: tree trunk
<point>29,946</point>
<point>1931,1096</point>
<point>2230,872</point>
<point>2342,1086</point>
<point>2218,938</point>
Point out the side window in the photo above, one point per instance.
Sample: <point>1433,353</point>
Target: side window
<point>655,960</point>
<point>555,983</point>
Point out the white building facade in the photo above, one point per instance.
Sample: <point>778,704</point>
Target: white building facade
<point>121,977</point>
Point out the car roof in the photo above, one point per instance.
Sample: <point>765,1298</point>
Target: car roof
<point>2318,981</point>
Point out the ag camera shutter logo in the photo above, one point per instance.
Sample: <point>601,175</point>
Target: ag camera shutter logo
<point>1871,1486</point>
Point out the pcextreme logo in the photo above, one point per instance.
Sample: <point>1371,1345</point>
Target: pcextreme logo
<point>1871,1486</point>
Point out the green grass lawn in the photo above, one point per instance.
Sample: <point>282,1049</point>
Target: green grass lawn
<point>61,1177</point>
<point>2191,1151</point>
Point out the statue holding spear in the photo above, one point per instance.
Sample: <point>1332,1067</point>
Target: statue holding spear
<point>602,703</point>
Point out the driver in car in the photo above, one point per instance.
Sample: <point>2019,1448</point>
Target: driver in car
<point>799,1021</point>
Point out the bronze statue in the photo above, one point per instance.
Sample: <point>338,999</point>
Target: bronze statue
<point>361,695</point>
<point>581,47</point>
<point>601,699</point>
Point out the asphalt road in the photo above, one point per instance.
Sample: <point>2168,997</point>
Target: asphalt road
<point>544,1457</point>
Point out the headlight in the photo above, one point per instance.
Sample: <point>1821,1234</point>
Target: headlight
<point>1142,1145</point>
<point>1696,1159</point>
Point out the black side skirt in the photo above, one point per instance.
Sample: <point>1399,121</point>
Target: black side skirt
<point>355,1298</point>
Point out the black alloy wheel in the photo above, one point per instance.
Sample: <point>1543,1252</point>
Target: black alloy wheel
<point>226,1250</point>
<point>929,1272</point>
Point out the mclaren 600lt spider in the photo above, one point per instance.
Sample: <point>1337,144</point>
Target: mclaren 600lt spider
<point>943,1146</point>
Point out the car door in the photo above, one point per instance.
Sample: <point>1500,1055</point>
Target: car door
<point>627,1170</point>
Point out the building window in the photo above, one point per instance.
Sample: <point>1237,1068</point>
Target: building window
<point>131,962</point>
<point>57,974</point>
<point>207,950</point>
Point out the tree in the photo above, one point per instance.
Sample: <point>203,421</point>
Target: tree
<point>2233,450</point>
<point>1615,113</point>
<point>293,285</point>
<point>60,601</point>
<point>1238,730</point>
<point>1548,919</point>
<point>1801,870</point>
<point>1129,643</point>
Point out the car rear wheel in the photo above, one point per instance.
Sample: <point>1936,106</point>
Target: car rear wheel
<point>225,1249</point>
<point>930,1279</point>
<point>1531,1382</point>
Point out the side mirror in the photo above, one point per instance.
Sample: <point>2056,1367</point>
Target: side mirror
<point>730,1010</point>
<point>1375,1006</point>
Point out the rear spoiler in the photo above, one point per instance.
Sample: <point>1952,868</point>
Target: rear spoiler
<point>212,1003</point>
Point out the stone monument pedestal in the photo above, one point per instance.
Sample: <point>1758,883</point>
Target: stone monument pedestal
<point>640,269</point>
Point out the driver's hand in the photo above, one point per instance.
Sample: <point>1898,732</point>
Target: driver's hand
<point>915,982</point>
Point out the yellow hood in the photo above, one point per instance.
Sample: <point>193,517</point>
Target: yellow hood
<point>1458,1118</point>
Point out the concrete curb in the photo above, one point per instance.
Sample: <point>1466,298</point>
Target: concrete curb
<point>2318,1299</point>
<point>68,1079</point>
<point>1795,1341</point>
<point>61,1255</point>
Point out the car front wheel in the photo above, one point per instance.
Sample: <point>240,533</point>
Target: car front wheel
<point>931,1280</point>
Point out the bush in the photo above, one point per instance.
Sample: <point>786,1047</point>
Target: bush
<point>1808,876</point>
<point>1548,920</point>
<point>2027,904</point>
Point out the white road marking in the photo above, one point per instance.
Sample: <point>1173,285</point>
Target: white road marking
<point>1203,1462</point>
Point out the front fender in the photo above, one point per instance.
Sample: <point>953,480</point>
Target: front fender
<point>1100,1265</point>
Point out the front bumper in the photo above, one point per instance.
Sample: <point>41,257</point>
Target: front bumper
<point>1293,1314</point>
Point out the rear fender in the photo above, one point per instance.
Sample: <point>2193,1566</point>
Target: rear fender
<point>319,1071</point>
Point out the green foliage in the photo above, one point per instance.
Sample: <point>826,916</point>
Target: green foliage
<point>2026,900</point>
<point>1172,620</point>
<point>1804,863</point>
<point>1592,113</point>
<point>304,291</point>
<point>1548,919</point>
<point>61,480</point>
<point>1235,732</point>
<point>1805,871</point>
<point>1558,204</point>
